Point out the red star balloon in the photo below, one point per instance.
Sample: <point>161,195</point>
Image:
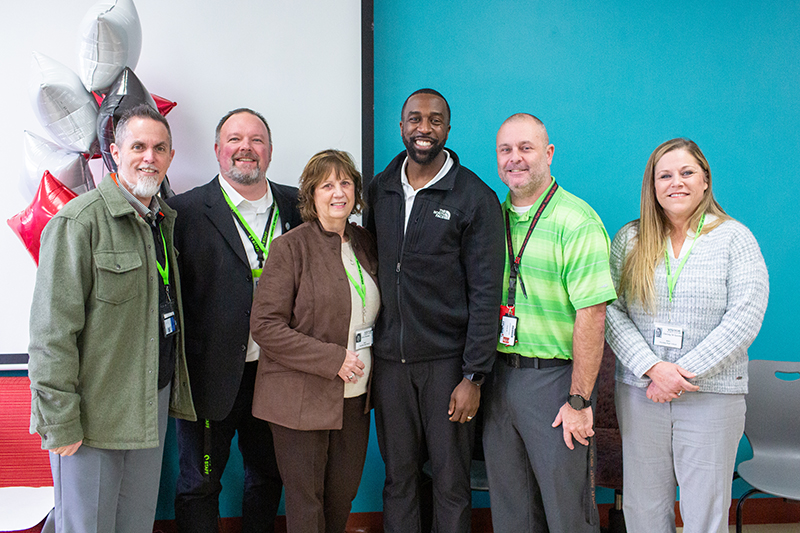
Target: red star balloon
<point>29,223</point>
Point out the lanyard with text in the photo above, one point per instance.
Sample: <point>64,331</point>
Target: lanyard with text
<point>261,246</point>
<point>667,334</point>
<point>508,322</point>
<point>672,280</point>
<point>167,309</point>
<point>164,271</point>
<point>363,337</point>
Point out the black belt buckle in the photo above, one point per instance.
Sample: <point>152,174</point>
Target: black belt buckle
<point>514,360</point>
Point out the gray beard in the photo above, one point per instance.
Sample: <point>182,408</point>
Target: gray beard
<point>245,178</point>
<point>146,187</point>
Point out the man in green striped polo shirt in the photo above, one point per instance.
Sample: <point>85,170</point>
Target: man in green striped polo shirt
<point>556,287</point>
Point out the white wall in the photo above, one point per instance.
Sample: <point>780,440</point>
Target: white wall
<point>298,63</point>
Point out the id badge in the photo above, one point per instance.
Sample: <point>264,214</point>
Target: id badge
<point>363,338</point>
<point>256,276</point>
<point>508,330</point>
<point>169,321</point>
<point>668,335</point>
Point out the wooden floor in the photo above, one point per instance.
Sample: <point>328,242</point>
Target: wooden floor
<point>764,528</point>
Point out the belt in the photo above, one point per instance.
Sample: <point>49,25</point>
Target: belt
<point>515,360</point>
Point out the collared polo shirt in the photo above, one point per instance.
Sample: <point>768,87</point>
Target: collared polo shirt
<point>565,267</point>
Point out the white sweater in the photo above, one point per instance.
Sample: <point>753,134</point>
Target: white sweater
<point>719,300</point>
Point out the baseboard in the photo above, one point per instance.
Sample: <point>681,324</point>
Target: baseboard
<point>756,511</point>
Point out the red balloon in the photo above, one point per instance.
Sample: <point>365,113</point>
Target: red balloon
<point>29,223</point>
<point>164,105</point>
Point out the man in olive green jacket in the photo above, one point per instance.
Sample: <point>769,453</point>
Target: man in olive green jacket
<point>106,347</point>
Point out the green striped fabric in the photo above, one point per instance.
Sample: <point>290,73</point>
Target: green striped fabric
<point>564,267</point>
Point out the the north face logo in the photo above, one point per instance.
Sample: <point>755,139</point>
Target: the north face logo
<point>444,214</point>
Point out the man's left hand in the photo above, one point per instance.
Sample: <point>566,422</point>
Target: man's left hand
<point>576,424</point>
<point>464,401</point>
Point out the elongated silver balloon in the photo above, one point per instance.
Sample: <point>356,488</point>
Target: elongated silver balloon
<point>63,105</point>
<point>110,40</point>
<point>70,168</point>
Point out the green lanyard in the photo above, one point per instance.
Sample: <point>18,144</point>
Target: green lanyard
<point>164,271</point>
<point>361,289</point>
<point>261,246</point>
<point>671,281</point>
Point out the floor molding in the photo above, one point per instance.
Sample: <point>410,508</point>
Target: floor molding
<point>756,511</point>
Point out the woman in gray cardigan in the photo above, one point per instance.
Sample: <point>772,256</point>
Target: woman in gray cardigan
<point>693,290</point>
<point>312,316</point>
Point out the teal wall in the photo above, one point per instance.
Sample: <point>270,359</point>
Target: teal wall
<point>611,80</point>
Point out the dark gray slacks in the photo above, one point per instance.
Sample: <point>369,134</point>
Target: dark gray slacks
<point>536,483</point>
<point>110,490</point>
<point>321,470</point>
<point>411,403</point>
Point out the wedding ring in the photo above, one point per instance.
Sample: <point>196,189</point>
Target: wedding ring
<point>351,376</point>
<point>680,392</point>
<point>469,417</point>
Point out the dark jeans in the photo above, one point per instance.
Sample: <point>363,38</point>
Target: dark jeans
<point>197,498</point>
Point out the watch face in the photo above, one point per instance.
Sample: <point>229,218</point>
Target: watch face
<point>577,402</point>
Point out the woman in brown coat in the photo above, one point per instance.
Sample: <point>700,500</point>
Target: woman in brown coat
<point>312,316</point>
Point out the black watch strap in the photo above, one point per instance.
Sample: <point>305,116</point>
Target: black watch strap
<point>578,402</point>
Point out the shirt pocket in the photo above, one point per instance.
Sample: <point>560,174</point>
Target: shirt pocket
<point>117,275</point>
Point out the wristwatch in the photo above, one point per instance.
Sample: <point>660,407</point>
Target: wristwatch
<point>476,378</point>
<point>578,402</point>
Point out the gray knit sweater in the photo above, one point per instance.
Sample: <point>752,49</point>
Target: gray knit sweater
<point>719,299</point>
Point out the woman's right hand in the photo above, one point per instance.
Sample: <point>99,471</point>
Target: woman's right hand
<point>352,368</point>
<point>669,381</point>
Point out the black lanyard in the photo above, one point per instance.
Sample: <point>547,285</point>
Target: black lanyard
<point>514,261</point>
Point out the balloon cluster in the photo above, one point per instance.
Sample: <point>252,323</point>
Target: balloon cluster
<point>80,112</point>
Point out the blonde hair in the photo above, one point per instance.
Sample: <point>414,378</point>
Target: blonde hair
<point>638,273</point>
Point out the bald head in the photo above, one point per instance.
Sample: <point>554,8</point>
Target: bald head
<point>534,121</point>
<point>524,154</point>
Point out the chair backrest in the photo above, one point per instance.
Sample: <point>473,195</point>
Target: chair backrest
<point>772,423</point>
<point>23,463</point>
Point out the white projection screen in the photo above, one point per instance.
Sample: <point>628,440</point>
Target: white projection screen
<point>307,66</point>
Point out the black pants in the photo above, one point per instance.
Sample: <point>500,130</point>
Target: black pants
<point>411,403</point>
<point>197,498</point>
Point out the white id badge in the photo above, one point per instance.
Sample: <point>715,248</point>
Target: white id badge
<point>363,338</point>
<point>508,330</point>
<point>668,336</point>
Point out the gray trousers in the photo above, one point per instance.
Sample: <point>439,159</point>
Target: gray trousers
<point>99,490</point>
<point>536,483</point>
<point>690,442</point>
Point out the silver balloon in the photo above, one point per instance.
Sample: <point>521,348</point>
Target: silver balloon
<point>70,168</point>
<point>110,40</point>
<point>63,105</point>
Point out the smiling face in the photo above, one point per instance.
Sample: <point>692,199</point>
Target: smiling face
<point>244,150</point>
<point>143,155</point>
<point>334,199</point>
<point>523,159</point>
<point>679,183</point>
<point>424,128</point>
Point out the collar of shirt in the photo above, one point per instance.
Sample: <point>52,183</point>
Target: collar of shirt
<point>147,213</point>
<point>259,206</point>
<point>524,214</point>
<point>409,191</point>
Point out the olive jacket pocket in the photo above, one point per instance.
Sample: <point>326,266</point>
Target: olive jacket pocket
<point>117,275</point>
